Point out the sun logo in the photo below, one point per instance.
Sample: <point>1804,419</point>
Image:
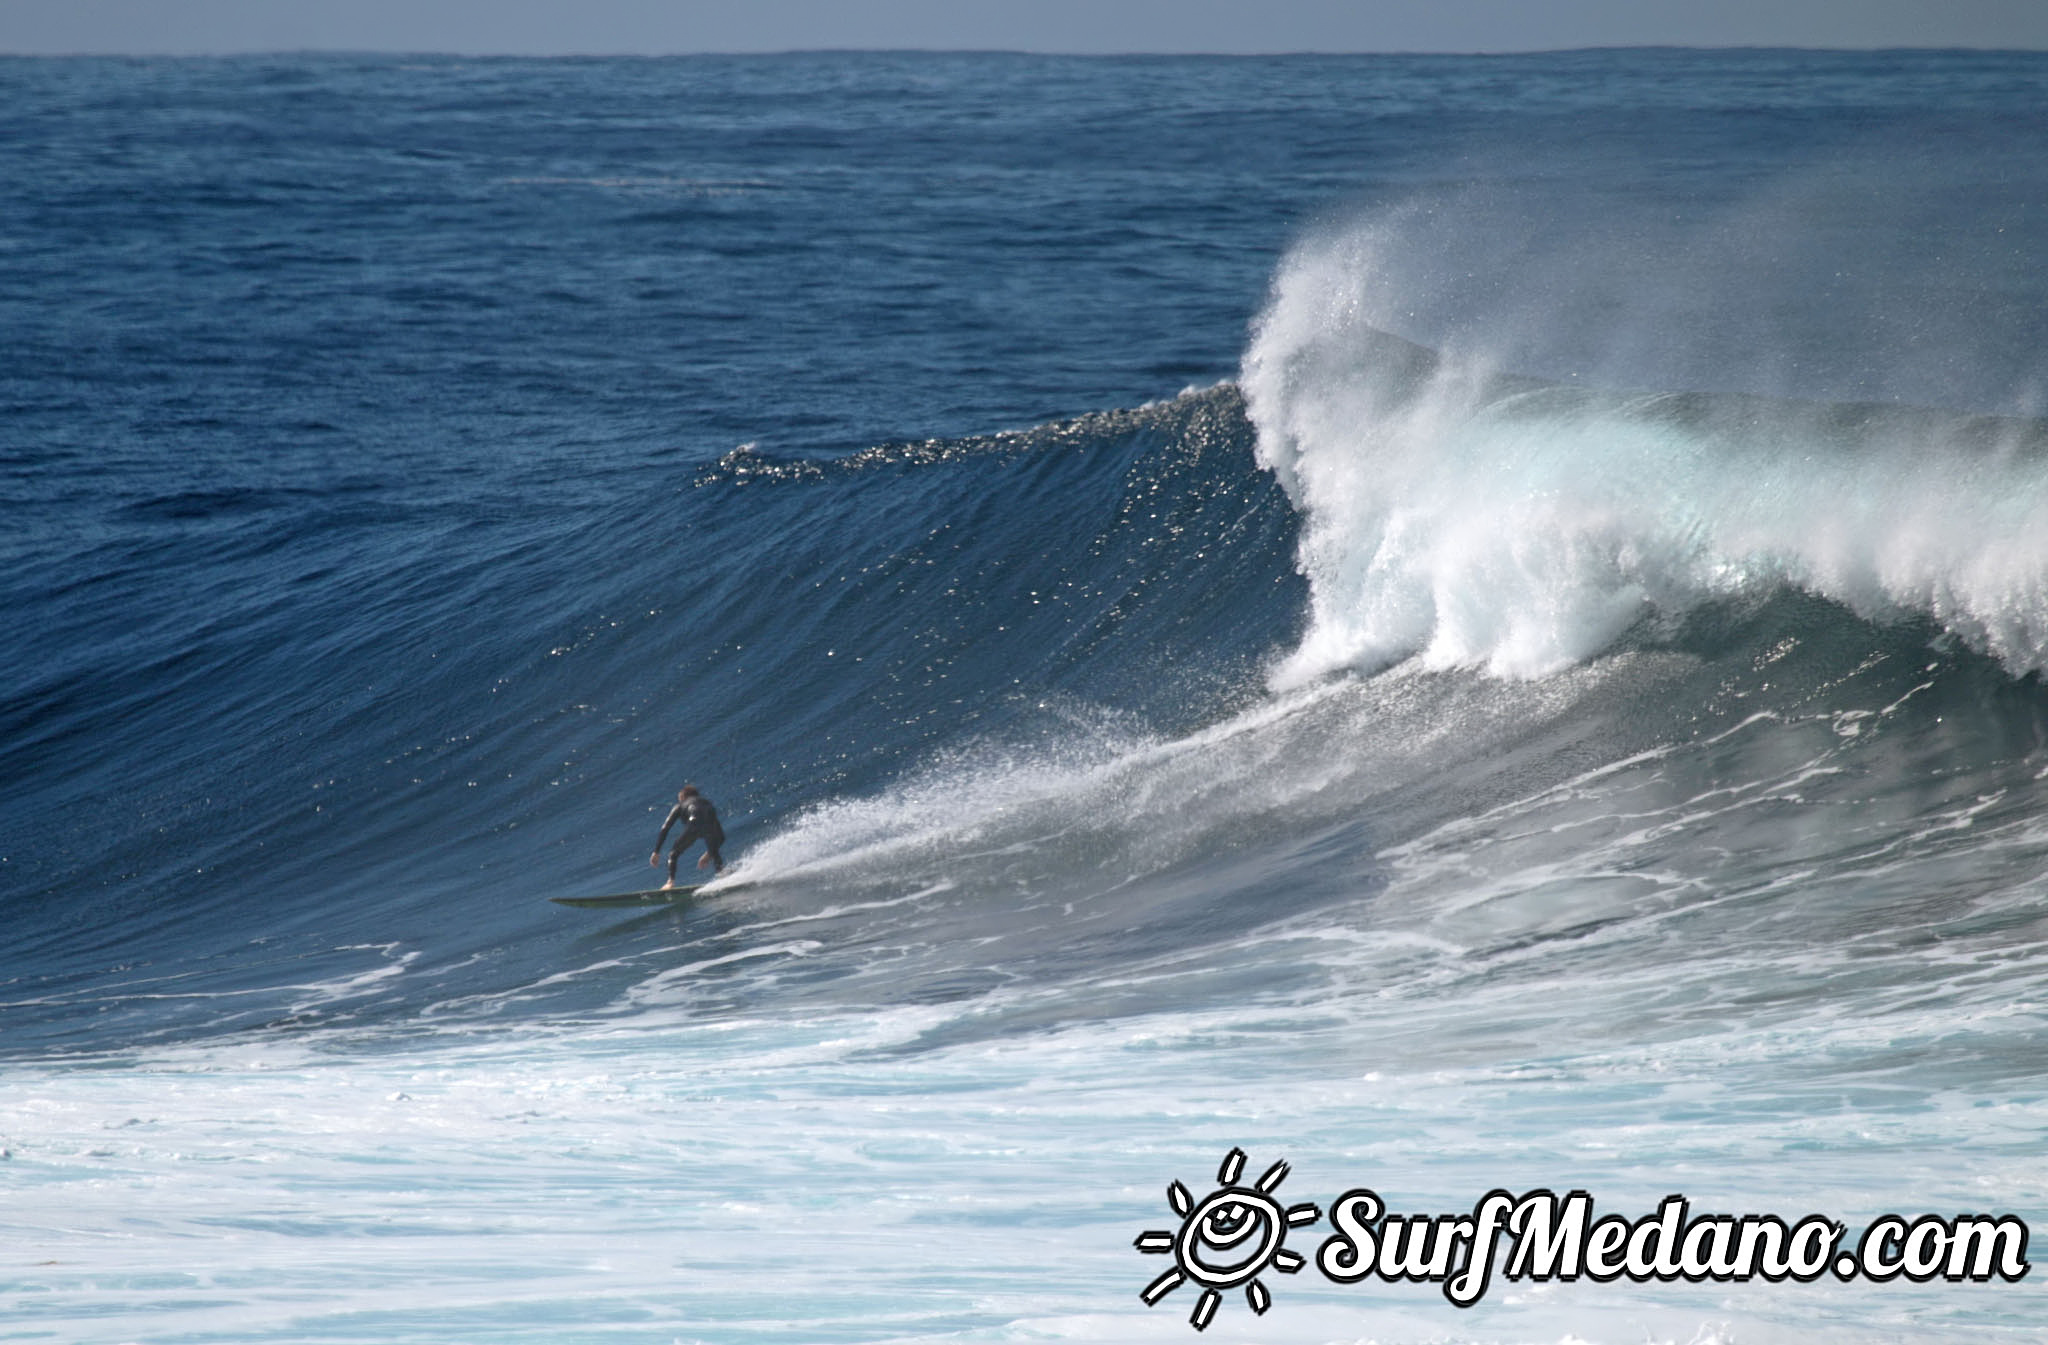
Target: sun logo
<point>1211,1246</point>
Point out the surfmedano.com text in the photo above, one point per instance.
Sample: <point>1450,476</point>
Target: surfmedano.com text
<point>1557,1238</point>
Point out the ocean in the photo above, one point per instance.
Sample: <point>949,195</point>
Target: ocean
<point>1262,629</point>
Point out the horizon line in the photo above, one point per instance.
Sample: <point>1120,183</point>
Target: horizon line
<point>1292,52</point>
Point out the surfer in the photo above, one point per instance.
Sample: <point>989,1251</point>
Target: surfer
<point>700,822</point>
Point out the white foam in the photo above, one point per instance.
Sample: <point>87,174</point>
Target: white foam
<point>755,1179</point>
<point>1451,520</point>
<point>1118,804</point>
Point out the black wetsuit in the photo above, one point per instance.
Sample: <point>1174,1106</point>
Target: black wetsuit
<point>700,823</point>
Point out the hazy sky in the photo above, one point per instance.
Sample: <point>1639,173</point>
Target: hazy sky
<point>659,26</point>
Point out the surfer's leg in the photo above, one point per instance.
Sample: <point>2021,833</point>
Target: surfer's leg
<point>683,842</point>
<point>711,844</point>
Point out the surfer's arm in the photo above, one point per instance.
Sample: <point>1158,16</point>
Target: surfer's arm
<point>668,822</point>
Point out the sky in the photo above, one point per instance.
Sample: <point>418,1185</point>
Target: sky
<point>653,27</point>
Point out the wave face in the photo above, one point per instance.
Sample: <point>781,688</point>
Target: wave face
<point>1548,696</point>
<point>827,626</point>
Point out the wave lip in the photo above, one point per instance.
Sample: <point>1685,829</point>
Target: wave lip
<point>1471,518</point>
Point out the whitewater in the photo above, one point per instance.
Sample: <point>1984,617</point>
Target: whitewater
<point>1452,624</point>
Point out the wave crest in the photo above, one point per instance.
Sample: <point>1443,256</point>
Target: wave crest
<point>1466,517</point>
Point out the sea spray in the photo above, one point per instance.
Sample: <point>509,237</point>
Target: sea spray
<point>1472,518</point>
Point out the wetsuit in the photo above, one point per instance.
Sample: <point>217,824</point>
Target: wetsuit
<point>700,823</point>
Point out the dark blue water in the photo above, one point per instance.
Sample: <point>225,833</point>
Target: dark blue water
<point>1008,487</point>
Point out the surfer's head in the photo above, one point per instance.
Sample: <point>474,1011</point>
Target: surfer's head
<point>687,792</point>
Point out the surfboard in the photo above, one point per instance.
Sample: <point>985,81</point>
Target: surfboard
<point>660,896</point>
<point>663,896</point>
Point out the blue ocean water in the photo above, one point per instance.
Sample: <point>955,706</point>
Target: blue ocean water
<point>1465,623</point>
